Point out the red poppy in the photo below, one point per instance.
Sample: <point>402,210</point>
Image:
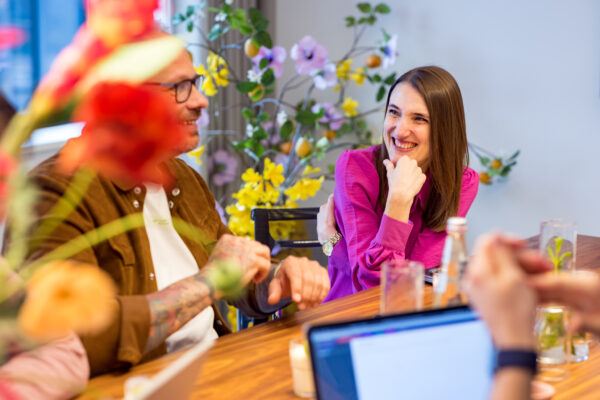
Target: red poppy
<point>7,168</point>
<point>11,36</point>
<point>129,132</point>
<point>119,21</point>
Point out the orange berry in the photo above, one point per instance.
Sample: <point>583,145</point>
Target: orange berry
<point>496,164</point>
<point>484,178</point>
<point>373,61</point>
<point>250,48</point>
<point>285,147</point>
<point>329,134</point>
<point>303,148</point>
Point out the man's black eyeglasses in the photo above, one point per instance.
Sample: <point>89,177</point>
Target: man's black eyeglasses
<point>183,89</point>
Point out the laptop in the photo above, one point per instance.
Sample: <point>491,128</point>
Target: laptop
<point>434,354</point>
<point>177,380</point>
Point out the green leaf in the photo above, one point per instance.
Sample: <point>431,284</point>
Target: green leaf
<point>240,145</point>
<point>261,25</point>
<point>361,125</point>
<point>331,168</point>
<point>514,155</point>
<point>246,29</point>
<point>268,77</point>
<point>247,113</point>
<point>382,8</point>
<point>364,7</point>
<point>286,129</point>
<point>371,20</point>
<point>258,149</point>
<point>190,26</point>
<point>255,16</point>
<point>380,93</point>
<point>178,18</point>
<point>386,36</point>
<point>226,9</point>
<point>350,21</point>
<point>256,95</point>
<point>214,9</point>
<point>377,78</point>
<point>260,134</point>
<point>246,87</point>
<point>263,117</point>
<point>189,11</point>
<point>264,39</point>
<point>133,63</point>
<point>484,161</point>
<point>306,117</point>
<point>363,20</point>
<point>263,64</point>
<point>239,15</point>
<point>269,90</point>
<point>505,171</point>
<point>390,79</point>
<point>215,32</point>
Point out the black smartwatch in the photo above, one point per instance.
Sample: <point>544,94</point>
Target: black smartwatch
<point>526,359</point>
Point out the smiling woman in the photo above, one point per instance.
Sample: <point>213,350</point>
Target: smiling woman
<point>392,200</point>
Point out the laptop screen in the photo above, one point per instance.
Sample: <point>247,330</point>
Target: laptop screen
<point>434,354</point>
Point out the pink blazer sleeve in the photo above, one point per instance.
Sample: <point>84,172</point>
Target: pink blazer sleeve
<point>429,245</point>
<point>56,370</point>
<point>369,240</point>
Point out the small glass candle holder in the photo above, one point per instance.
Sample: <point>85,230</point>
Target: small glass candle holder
<point>301,369</point>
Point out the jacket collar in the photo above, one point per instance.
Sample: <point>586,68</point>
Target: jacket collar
<point>167,166</point>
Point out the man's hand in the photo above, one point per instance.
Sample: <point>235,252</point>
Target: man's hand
<point>497,287</point>
<point>253,257</point>
<point>579,291</point>
<point>326,221</point>
<point>305,281</point>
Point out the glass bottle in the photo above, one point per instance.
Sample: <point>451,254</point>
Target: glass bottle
<point>446,282</point>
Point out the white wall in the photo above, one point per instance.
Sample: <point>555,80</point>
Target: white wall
<point>530,77</point>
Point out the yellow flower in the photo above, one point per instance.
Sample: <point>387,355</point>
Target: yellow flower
<point>349,106</point>
<point>304,188</point>
<point>65,296</point>
<point>358,76</point>
<point>273,172</point>
<point>215,75</point>
<point>248,195</point>
<point>310,170</point>
<point>251,176</point>
<point>196,154</point>
<point>270,194</point>
<point>343,69</point>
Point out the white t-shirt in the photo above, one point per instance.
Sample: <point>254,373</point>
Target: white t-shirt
<point>173,261</point>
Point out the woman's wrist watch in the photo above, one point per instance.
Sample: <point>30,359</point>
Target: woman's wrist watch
<point>329,243</point>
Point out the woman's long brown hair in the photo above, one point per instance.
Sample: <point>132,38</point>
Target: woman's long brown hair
<point>448,148</point>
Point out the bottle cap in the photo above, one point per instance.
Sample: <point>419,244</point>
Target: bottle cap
<point>456,224</point>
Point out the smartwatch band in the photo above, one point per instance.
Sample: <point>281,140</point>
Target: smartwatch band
<point>525,359</point>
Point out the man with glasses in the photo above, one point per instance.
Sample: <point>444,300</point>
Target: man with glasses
<point>165,300</point>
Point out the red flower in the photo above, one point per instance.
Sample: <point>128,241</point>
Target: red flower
<point>129,132</point>
<point>7,168</point>
<point>119,21</point>
<point>11,36</point>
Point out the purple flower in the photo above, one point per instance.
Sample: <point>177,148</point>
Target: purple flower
<point>309,55</point>
<point>331,116</point>
<point>222,167</point>
<point>276,57</point>
<point>204,119</point>
<point>327,77</point>
<point>389,51</point>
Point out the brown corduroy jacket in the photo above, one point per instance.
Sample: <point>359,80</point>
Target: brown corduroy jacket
<point>126,257</point>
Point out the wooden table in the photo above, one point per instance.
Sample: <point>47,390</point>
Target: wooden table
<point>254,363</point>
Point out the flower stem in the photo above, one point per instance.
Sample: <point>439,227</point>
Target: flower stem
<point>89,239</point>
<point>64,206</point>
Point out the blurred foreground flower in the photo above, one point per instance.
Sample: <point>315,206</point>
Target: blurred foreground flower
<point>66,296</point>
<point>125,137</point>
<point>11,36</point>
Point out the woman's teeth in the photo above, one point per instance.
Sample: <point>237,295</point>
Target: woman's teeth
<point>405,145</point>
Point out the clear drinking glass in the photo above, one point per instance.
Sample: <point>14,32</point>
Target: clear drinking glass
<point>553,342</point>
<point>301,369</point>
<point>402,286</point>
<point>558,242</point>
